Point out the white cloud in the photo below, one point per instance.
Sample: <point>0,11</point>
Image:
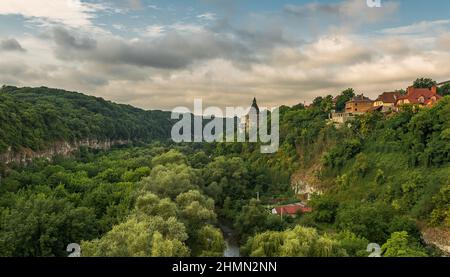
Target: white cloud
<point>417,28</point>
<point>207,16</point>
<point>189,28</point>
<point>119,27</point>
<point>154,7</point>
<point>73,13</point>
<point>360,11</point>
<point>168,65</point>
<point>153,31</point>
<point>351,12</point>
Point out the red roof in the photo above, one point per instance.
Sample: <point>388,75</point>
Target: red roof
<point>421,96</point>
<point>293,209</point>
<point>389,97</point>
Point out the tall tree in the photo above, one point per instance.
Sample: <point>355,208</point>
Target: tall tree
<point>444,90</point>
<point>399,245</point>
<point>424,83</point>
<point>343,98</point>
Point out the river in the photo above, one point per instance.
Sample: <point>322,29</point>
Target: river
<point>231,241</point>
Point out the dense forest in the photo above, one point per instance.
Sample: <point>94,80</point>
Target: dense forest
<point>381,179</point>
<point>34,117</point>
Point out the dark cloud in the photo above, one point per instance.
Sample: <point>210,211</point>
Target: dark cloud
<point>11,45</point>
<point>174,50</point>
<point>64,39</point>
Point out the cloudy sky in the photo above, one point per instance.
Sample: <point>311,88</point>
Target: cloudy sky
<point>162,54</point>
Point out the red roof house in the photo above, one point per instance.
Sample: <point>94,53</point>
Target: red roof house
<point>419,96</point>
<point>292,209</point>
<point>387,98</point>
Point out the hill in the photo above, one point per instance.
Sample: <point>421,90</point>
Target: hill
<point>35,118</point>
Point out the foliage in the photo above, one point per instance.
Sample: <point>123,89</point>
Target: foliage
<point>138,238</point>
<point>92,200</point>
<point>343,98</point>
<point>377,177</point>
<point>444,90</point>
<point>35,118</point>
<point>297,242</point>
<point>424,83</point>
<point>399,245</point>
<point>441,211</point>
<point>324,208</point>
<point>255,218</point>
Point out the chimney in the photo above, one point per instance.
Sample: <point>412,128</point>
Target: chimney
<point>410,90</point>
<point>434,90</point>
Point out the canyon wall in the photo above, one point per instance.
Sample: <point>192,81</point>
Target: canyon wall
<point>63,148</point>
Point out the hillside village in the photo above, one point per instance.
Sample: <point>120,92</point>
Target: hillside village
<point>387,102</point>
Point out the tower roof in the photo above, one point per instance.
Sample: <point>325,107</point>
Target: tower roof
<point>255,105</point>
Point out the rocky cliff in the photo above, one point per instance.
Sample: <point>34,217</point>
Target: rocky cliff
<point>63,148</point>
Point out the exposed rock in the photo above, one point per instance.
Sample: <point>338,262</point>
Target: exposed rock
<point>304,182</point>
<point>63,148</point>
<point>438,237</point>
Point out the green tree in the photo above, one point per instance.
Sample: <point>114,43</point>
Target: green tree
<point>343,98</point>
<point>367,220</point>
<point>128,239</point>
<point>424,83</point>
<point>255,218</point>
<point>210,242</point>
<point>170,157</point>
<point>297,242</point>
<point>168,248</point>
<point>140,237</point>
<point>444,90</point>
<point>441,211</point>
<point>150,204</point>
<point>169,180</point>
<point>324,208</point>
<point>196,210</point>
<point>40,224</point>
<point>398,245</point>
<point>354,245</point>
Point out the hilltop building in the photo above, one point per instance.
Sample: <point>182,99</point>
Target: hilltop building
<point>358,104</point>
<point>422,97</point>
<point>386,101</point>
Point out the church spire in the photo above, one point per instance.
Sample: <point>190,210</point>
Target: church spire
<point>255,105</point>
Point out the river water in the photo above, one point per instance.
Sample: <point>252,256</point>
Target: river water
<point>231,241</point>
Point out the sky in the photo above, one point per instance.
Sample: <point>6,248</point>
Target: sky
<point>159,54</point>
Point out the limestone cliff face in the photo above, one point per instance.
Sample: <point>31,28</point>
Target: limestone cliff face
<point>63,148</point>
<point>305,183</point>
<point>438,237</point>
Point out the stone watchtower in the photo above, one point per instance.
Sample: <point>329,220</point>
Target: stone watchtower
<point>252,118</point>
